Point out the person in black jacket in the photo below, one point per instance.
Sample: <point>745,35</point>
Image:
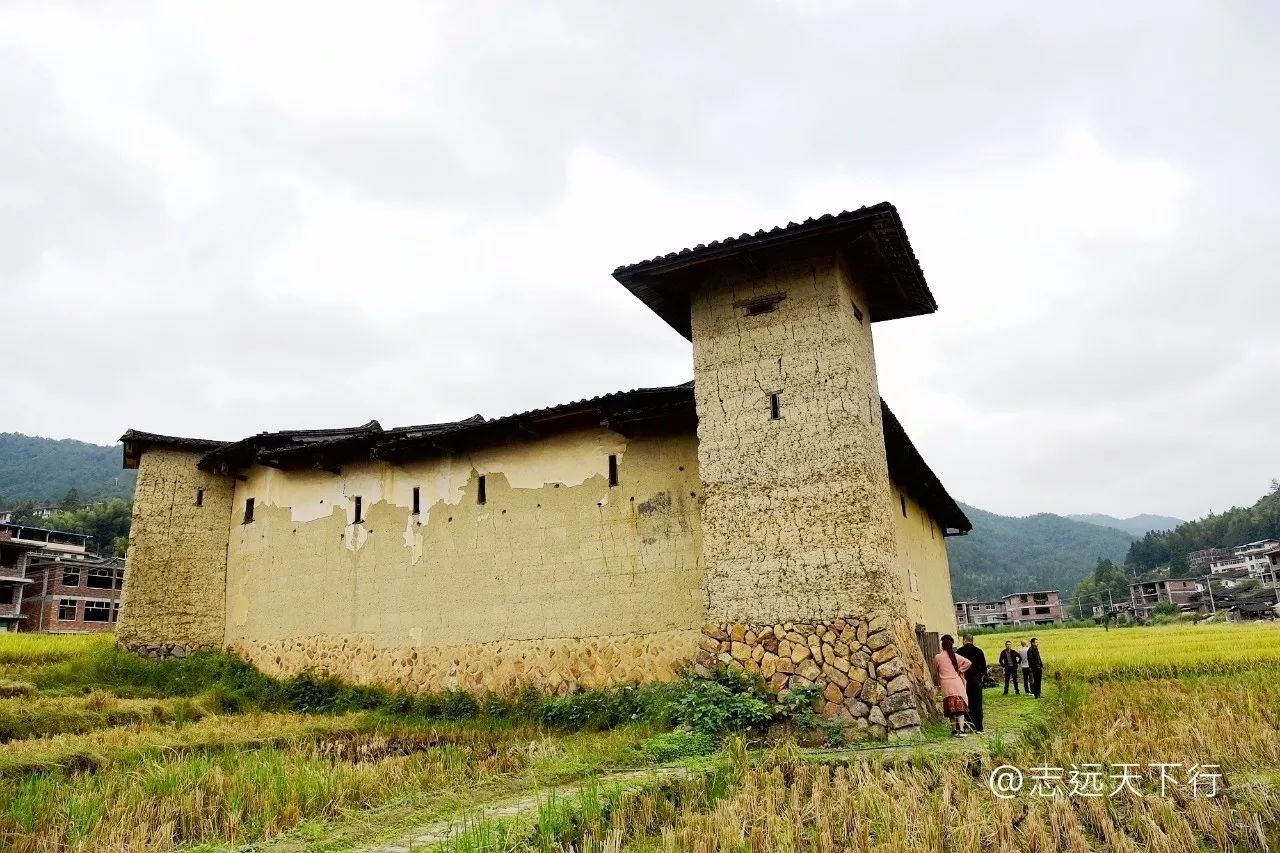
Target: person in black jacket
<point>1010,662</point>
<point>973,678</point>
<point>1037,667</point>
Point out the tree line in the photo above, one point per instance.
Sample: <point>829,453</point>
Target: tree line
<point>1158,549</point>
<point>106,522</point>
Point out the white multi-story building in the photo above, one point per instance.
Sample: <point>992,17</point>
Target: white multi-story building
<point>1252,557</point>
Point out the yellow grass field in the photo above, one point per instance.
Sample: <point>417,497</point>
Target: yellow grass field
<point>103,752</point>
<point>1148,652</point>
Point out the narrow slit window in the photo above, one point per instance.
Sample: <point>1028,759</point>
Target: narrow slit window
<point>417,500</point>
<point>359,507</point>
<point>857,313</point>
<point>481,495</point>
<point>248,510</point>
<point>902,499</point>
<point>760,304</point>
<point>775,407</point>
<point>613,469</point>
<point>199,497</point>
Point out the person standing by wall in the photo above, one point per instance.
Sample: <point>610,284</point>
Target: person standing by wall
<point>949,669</point>
<point>1026,667</point>
<point>1010,662</point>
<point>1036,665</point>
<point>974,678</point>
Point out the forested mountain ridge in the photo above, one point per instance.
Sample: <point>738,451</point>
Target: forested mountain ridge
<point>43,470</point>
<point>1236,526</point>
<point>1006,554</point>
<point>1137,525</point>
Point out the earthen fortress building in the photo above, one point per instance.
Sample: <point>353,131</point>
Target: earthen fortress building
<point>772,514</point>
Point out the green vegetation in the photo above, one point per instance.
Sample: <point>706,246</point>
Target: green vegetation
<point>1004,555</point>
<point>108,752</point>
<point>43,470</point>
<point>107,522</point>
<point>1138,525</point>
<point>1236,526</point>
<point>1150,652</point>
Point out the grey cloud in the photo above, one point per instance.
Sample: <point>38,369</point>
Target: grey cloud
<point>1135,383</point>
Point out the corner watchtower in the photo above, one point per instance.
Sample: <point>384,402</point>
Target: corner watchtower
<point>799,540</point>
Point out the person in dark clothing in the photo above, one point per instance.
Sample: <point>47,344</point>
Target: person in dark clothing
<point>973,678</point>
<point>1036,665</point>
<point>1026,668</point>
<point>1010,662</point>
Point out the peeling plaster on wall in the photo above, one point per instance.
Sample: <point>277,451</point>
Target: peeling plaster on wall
<point>532,564</point>
<point>570,459</point>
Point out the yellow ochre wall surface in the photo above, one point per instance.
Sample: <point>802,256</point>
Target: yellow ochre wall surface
<point>925,570</point>
<point>175,594</point>
<point>558,579</point>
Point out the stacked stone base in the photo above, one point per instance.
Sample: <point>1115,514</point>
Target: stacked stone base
<point>163,651</point>
<point>869,667</point>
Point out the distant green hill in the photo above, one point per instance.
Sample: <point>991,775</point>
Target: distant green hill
<point>1236,526</point>
<point>1137,525</point>
<point>1004,554</point>
<point>44,469</point>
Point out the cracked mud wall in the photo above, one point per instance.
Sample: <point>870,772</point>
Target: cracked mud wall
<point>177,561</point>
<point>797,526</point>
<point>796,517</point>
<point>557,579</point>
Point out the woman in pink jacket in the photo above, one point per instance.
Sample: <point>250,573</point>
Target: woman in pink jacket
<point>949,669</point>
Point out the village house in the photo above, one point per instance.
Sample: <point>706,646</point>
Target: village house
<point>1252,557</point>
<point>772,514</point>
<point>1180,592</point>
<point>50,582</point>
<point>980,614</point>
<point>1043,607</point>
<point>73,594</point>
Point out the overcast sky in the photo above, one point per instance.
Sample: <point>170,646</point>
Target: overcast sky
<point>222,218</point>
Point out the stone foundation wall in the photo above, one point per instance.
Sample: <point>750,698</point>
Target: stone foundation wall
<point>870,668</point>
<point>163,651</point>
<point>503,666</point>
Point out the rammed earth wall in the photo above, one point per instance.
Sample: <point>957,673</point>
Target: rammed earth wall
<point>558,579</point>
<point>776,527</point>
<point>798,529</point>
<point>175,597</point>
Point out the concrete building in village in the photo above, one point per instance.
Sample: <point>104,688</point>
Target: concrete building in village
<point>772,514</point>
<point>1019,608</point>
<point>50,582</point>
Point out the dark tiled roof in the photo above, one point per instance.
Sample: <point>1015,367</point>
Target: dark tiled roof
<point>908,469</point>
<point>620,411</point>
<point>872,239</point>
<point>136,441</point>
<point>237,454</point>
<point>330,448</point>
